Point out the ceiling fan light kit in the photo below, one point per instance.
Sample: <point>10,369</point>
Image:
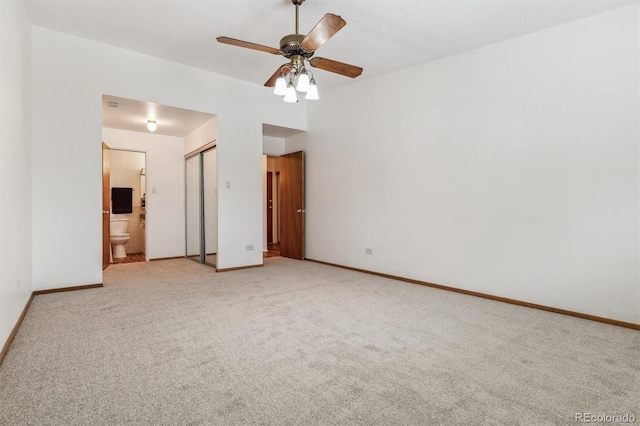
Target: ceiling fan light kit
<point>303,81</point>
<point>290,96</point>
<point>281,85</point>
<point>297,79</point>
<point>312,92</point>
<point>298,48</point>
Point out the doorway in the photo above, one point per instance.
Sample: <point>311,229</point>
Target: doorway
<point>124,207</point>
<point>272,207</point>
<point>128,206</point>
<point>106,207</point>
<point>201,206</point>
<point>285,209</point>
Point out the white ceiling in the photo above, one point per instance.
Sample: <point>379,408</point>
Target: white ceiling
<point>132,115</point>
<point>278,132</point>
<point>381,35</point>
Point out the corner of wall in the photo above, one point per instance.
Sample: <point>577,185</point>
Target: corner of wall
<point>16,268</point>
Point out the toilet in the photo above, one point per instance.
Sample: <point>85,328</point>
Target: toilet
<point>119,237</point>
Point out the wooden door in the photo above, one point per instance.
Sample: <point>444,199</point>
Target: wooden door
<point>106,218</point>
<point>269,208</point>
<point>292,205</point>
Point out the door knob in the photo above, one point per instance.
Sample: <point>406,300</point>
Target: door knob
<point>105,211</point>
<point>300,211</point>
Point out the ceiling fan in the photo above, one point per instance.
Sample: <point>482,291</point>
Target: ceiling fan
<point>299,48</point>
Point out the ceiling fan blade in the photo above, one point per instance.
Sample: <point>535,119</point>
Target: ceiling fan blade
<point>284,69</point>
<point>335,66</point>
<point>323,31</point>
<point>247,45</point>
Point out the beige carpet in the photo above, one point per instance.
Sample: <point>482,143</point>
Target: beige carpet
<point>299,343</point>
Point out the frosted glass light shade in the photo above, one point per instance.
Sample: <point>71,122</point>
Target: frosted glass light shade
<point>290,96</point>
<point>303,82</point>
<point>152,125</point>
<point>281,86</point>
<point>312,91</point>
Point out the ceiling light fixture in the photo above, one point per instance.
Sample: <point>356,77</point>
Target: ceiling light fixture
<point>152,125</point>
<point>297,78</point>
<point>290,96</point>
<point>281,85</point>
<point>312,91</point>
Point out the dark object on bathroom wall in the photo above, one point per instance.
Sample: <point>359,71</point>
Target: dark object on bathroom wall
<point>121,200</point>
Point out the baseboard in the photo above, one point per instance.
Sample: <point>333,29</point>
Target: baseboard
<point>74,288</point>
<point>13,333</point>
<point>491,297</point>
<point>239,268</point>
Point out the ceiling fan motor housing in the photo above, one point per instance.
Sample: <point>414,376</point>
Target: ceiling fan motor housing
<point>290,46</point>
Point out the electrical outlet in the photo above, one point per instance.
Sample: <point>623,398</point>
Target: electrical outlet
<point>368,251</point>
<point>228,184</point>
<point>250,247</point>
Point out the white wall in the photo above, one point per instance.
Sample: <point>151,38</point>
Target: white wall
<point>15,164</point>
<point>164,210</point>
<point>273,146</point>
<point>203,135</point>
<point>70,76</point>
<point>126,170</point>
<point>510,170</point>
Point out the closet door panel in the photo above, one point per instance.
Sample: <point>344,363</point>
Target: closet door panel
<point>192,207</point>
<point>210,204</point>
